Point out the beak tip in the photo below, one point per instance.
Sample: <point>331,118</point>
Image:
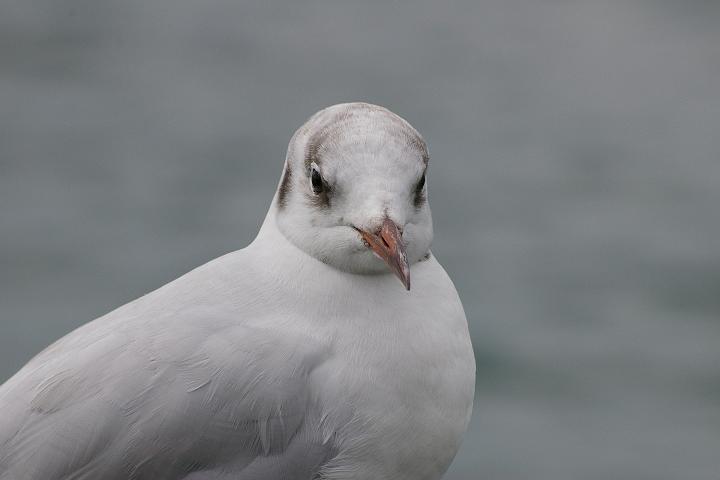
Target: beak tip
<point>388,246</point>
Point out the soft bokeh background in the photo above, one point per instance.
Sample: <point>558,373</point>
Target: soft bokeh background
<point>575,183</point>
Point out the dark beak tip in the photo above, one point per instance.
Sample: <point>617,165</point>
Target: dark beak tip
<point>388,245</point>
<point>403,273</point>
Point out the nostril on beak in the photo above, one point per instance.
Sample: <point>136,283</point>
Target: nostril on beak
<point>378,233</point>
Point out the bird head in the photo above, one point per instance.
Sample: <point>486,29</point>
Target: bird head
<point>353,193</point>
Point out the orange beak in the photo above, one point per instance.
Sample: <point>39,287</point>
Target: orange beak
<point>388,245</point>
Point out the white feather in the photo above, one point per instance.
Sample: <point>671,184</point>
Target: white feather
<point>266,363</point>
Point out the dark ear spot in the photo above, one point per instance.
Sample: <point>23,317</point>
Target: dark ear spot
<point>420,196</point>
<point>284,189</point>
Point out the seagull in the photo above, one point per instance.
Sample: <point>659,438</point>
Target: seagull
<point>299,357</point>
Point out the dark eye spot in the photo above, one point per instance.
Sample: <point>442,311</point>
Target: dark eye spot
<point>317,182</point>
<point>320,190</point>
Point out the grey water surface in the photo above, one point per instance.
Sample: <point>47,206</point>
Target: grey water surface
<point>575,186</point>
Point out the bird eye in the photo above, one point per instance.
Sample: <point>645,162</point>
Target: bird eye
<point>316,180</point>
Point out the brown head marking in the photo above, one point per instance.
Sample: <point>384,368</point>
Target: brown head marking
<point>284,189</point>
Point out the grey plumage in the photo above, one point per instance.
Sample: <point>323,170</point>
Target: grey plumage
<point>119,399</point>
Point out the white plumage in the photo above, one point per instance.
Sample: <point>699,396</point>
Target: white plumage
<point>299,357</point>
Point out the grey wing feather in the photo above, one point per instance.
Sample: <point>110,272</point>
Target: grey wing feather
<point>118,399</point>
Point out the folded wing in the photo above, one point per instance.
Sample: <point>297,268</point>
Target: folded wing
<point>181,396</point>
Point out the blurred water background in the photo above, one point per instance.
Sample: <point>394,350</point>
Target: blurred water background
<point>575,185</point>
